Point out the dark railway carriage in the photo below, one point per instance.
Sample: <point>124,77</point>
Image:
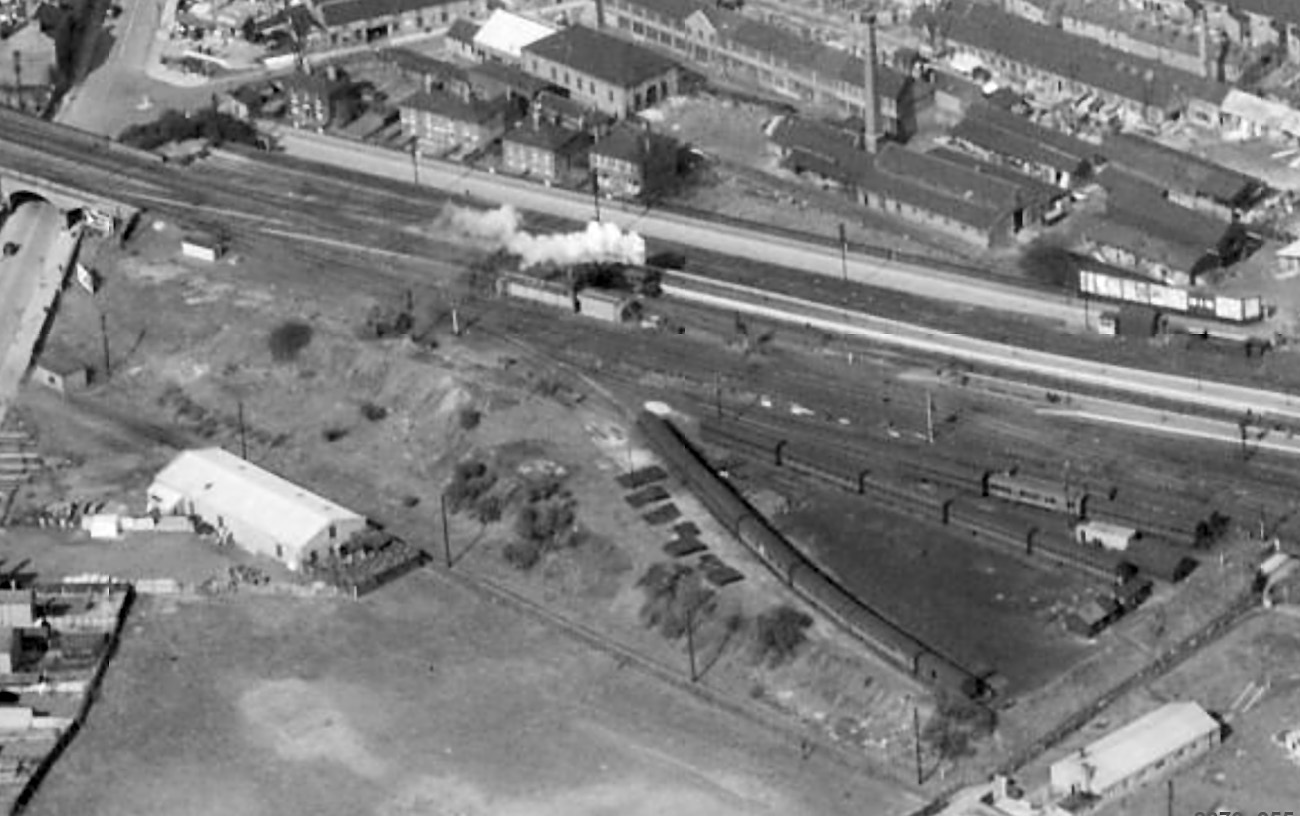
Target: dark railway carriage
<point>1033,491</point>
<point>769,545</point>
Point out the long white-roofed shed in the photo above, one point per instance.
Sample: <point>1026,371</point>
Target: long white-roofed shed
<point>1127,758</point>
<point>256,509</point>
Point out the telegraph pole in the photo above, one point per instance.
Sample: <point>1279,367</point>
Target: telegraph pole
<point>243,439</point>
<point>916,741</point>
<point>415,160</point>
<point>690,641</point>
<point>103,335</point>
<point>1170,799</point>
<point>717,393</point>
<point>595,193</point>
<point>844,252</point>
<point>446,535</point>
<point>929,418</point>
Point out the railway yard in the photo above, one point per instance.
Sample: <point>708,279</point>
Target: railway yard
<point>939,504</point>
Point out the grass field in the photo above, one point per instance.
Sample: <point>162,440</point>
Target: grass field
<point>422,699</point>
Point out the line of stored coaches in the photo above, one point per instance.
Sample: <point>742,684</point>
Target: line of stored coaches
<point>873,628</point>
<point>1022,512</point>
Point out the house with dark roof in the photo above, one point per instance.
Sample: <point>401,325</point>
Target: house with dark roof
<point>444,123</point>
<point>313,100</point>
<point>1006,138</point>
<point>740,48</point>
<point>1070,64</point>
<point>346,22</point>
<point>920,189</point>
<point>545,151</point>
<point>633,162</point>
<point>460,38</point>
<point>603,71</point>
<point>565,112</point>
<point>1183,178</point>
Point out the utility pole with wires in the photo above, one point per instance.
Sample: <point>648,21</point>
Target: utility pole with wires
<point>690,642</point>
<point>103,336</point>
<point>243,437</point>
<point>595,193</point>
<point>446,534</point>
<point>844,252</point>
<point>929,418</point>
<point>916,741</point>
<point>415,160</point>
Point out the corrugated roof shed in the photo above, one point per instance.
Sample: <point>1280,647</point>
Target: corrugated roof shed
<point>987,28</point>
<point>1144,742</point>
<point>345,12</point>
<point>986,136</point>
<point>950,179</point>
<point>1032,188</point>
<point>508,33</point>
<point>237,489</point>
<point>604,56</point>
<point>1172,169</point>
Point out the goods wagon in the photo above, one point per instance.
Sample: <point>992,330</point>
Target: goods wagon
<point>1097,281</point>
<point>797,572</point>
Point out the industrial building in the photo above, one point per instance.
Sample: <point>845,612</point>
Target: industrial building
<point>1069,64</point>
<point>741,48</point>
<point>503,35</point>
<point>363,21</point>
<point>251,507</point>
<point>602,71</point>
<point>1184,179</point>
<point>1120,762</point>
<point>1003,137</point>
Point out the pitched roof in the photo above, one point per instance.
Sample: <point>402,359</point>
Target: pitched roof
<point>986,136</point>
<point>1175,170</point>
<point>633,144</point>
<point>508,33</point>
<point>1031,188</point>
<point>831,152</point>
<point>236,489</point>
<point>1264,112</point>
<point>345,12</point>
<point>604,56</point>
<point>947,178</point>
<point>462,31</point>
<point>1143,742</point>
<point>1005,120</point>
<point>508,75</point>
<point>986,28</point>
<point>1174,254</point>
<point>783,47</point>
<point>544,135</point>
<point>554,104</point>
<point>408,60</point>
<point>452,106</point>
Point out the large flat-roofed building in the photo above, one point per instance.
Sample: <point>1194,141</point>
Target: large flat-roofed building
<point>256,509</point>
<point>602,71</point>
<point>1124,760</point>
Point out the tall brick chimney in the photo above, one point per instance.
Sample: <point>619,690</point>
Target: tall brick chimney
<point>871,108</point>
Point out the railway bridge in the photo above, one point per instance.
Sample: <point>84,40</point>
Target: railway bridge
<point>17,186</point>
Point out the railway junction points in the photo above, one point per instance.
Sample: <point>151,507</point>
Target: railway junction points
<point>921,490</point>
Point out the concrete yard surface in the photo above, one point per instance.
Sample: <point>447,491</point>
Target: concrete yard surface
<point>422,699</point>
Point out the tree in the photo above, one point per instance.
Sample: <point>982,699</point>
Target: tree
<point>288,340</point>
<point>778,634</point>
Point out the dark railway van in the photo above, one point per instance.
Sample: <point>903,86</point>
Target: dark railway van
<point>1035,492</point>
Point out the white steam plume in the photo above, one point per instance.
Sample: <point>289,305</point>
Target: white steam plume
<point>598,243</point>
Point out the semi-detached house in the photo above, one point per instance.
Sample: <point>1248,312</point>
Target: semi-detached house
<point>443,122</point>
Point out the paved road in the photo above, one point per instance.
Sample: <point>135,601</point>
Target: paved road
<point>753,244</point>
<point>29,283</point>
<point>892,332</point>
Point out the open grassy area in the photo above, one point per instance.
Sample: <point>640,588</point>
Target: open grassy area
<point>420,700</point>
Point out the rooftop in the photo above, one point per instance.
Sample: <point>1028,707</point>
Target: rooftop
<point>508,33</point>
<point>452,106</point>
<point>346,12</point>
<point>462,31</point>
<point>1144,742</point>
<point>408,60</point>
<point>951,179</point>
<point>1032,189</point>
<point>633,144</point>
<point>508,75</point>
<point>1141,205</point>
<point>984,135</point>
<point>603,56</point>
<point>986,28</point>
<point>1010,122</point>
<point>1284,10</point>
<point>544,135</point>
<point>1172,169</point>
<point>238,489</point>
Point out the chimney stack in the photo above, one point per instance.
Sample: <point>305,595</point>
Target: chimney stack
<point>428,83</point>
<point>871,102</point>
<point>537,116</point>
<point>600,14</point>
<point>1203,40</point>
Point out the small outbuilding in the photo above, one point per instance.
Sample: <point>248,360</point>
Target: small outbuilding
<point>252,507</point>
<point>1124,760</point>
<point>202,247</point>
<point>1104,534</point>
<point>612,307</point>
<point>60,372</point>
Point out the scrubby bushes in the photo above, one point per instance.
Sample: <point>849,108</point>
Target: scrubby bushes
<point>957,724</point>
<point>469,418</point>
<point>675,596</point>
<point>180,126</point>
<point>470,482</point>
<point>288,339</point>
<point>547,522</point>
<point>778,634</point>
